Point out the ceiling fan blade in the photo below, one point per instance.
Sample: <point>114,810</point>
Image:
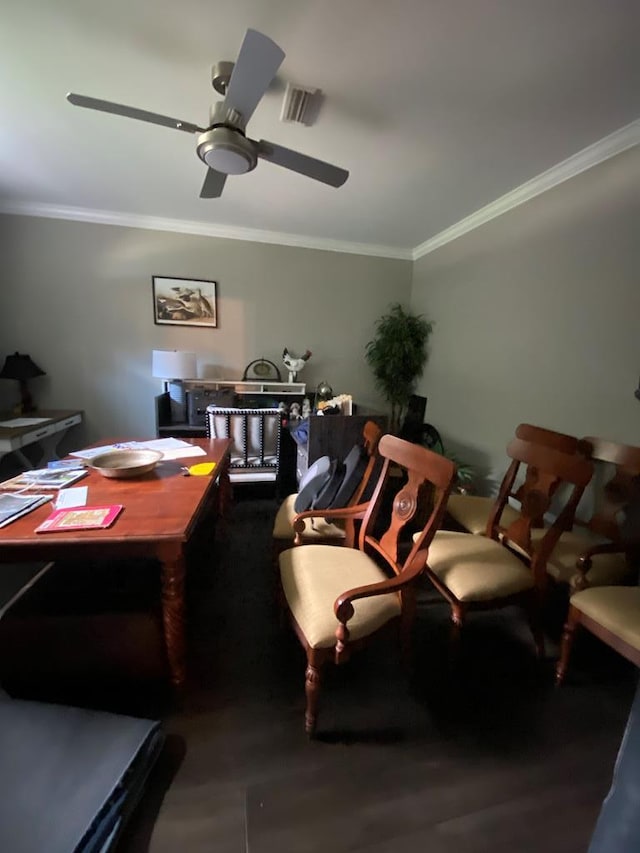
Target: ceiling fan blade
<point>132,112</point>
<point>309,166</point>
<point>254,69</point>
<point>213,184</point>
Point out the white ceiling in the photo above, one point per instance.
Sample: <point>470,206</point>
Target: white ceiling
<point>436,107</point>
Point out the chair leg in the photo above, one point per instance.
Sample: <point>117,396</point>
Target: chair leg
<point>312,690</point>
<point>533,610</point>
<point>455,640</point>
<point>406,629</point>
<point>568,636</point>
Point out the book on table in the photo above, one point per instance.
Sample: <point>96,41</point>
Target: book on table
<point>43,478</point>
<point>80,518</point>
<point>13,507</point>
<point>66,464</point>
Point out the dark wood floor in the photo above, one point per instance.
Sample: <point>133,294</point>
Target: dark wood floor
<point>494,759</point>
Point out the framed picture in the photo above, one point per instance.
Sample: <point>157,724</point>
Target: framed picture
<point>184,302</point>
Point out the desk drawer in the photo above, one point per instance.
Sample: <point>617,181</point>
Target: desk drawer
<point>44,431</point>
<point>37,433</point>
<point>72,420</point>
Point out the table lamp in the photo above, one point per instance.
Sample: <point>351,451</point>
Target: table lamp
<point>21,367</point>
<point>174,366</point>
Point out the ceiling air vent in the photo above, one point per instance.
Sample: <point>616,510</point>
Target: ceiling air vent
<point>299,104</point>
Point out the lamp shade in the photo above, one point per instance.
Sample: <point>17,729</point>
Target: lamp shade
<point>20,366</point>
<point>174,364</point>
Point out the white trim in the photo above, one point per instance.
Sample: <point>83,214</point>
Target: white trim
<point>617,142</point>
<point>205,229</point>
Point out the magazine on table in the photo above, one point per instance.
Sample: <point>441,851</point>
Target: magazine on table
<point>43,478</point>
<point>13,507</point>
<point>80,518</point>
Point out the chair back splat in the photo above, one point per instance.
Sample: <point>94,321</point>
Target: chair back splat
<point>435,470</point>
<point>546,470</point>
<point>626,462</point>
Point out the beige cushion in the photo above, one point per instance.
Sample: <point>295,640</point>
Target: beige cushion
<point>313,576</point>
<point>606,569</point>
<point>316,528</point>
<point>616,608</point>
<point>476,568</point>
<point>473,511</point>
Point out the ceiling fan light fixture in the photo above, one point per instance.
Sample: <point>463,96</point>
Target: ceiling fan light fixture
<point>227,161</point>
<point>227,151</point>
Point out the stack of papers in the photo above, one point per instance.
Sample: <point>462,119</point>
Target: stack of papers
<point>171,448</point>
<point>15,506</point>
<point>43,478</point>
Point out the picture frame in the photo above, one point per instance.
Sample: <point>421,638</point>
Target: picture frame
<point>184,302</point>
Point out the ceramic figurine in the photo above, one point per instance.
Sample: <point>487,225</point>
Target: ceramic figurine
<point>294,364</point>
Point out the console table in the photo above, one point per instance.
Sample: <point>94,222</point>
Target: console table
<point>199,393</point>
<point>47,429</point>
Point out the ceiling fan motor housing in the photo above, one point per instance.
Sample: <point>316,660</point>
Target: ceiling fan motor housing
<point>226,150</point>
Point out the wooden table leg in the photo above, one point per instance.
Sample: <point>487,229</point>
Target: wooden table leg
<point>173,615</point>
<point>225,493</point>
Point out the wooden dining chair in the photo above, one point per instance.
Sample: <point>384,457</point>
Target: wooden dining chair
<point>611,613</point>
<point>330,526</point>
<point>472,513</point>
<point>593,552</point>
<point>508,566</point>
<point>338,598</point>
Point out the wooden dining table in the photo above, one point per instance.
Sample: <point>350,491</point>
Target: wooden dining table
<point>161,511</point>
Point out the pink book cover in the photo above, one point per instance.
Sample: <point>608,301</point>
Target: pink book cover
<point>80,518</point>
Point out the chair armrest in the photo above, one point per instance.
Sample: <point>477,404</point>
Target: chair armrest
<point>583,563</point>
<point>343,607</point>
<point>348,513</point>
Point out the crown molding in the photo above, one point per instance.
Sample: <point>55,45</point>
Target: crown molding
<point>202,229</point>
<point>612,145</point>
<point>617,142</point>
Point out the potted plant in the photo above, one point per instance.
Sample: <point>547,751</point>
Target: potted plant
<point>397,355</point>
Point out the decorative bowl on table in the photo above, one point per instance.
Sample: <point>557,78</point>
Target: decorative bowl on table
<point>121,464</point>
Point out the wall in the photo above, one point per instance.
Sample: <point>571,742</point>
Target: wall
<point>77,298</point>
<point>537,318</point>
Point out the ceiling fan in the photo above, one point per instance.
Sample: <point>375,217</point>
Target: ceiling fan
<point>223,146</point>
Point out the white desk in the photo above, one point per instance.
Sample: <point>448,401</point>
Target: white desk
<point>48,434</point>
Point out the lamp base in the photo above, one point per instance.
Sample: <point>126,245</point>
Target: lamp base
<point>26,401</point>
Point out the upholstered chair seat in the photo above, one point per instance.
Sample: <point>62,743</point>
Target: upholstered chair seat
<point>611,613</point>
<point>473,512</point>
<point>475,568</point>
<point>616,608</point>
<point>606,569</point>
<point>314,528</point>
<point>311,585</point>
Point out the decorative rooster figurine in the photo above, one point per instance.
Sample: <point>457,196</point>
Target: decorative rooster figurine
<point>294,364</point>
